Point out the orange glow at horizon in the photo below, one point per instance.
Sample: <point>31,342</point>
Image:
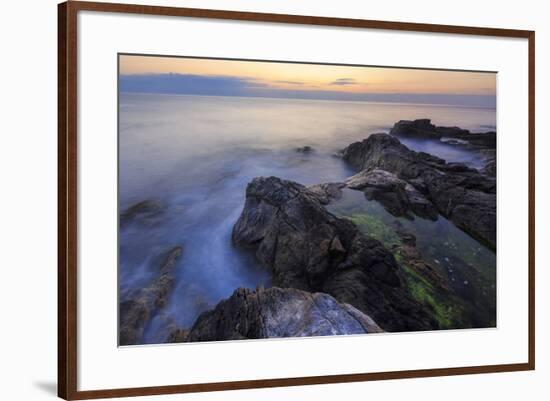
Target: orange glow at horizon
<point>295,76</point>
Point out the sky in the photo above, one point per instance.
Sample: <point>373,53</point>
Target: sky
<point>190,76</point>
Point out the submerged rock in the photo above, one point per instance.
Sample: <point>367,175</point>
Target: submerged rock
<point>308,248</point>
<point>143,211</point>
<point>139,307</point>
<point>304,149</point>
<point>278,312</point>
<point>410,255</point>
<point>396,195</point>
<point>461,194</point>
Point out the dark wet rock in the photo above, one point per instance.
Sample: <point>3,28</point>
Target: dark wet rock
<point>137,309</point>
<point>278,312</point>
<point>304,149</point>
<point>483,143</point>
<point>428,158</point>
<point>490,158</point>
<point>452,132</point>
<point>490,167</point>
<point>308,248</point>
<point>397,196</point>
<point>478,142</point>
<point>422,128</point>
<point>141,212</point>
<point>481,140</point>
<point>461,194</point>
<point>327,192</point>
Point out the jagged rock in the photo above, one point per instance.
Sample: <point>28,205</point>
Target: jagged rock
<point>327,192</point>
<point>397,196</point>
<point>452,132</point>
<point>278,312</point>
<point>138,308</point>
<point>308,248</point>
<point>422,128</point>
<point>143,212</point>
<point>461,194</point>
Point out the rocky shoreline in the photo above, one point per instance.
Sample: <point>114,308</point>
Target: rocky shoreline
<point>331,276</point>
<point>462,194</point>
<point>483,143</point>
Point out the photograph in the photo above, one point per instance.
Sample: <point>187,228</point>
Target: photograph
<point>262,199</point>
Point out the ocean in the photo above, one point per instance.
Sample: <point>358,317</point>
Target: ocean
<point>196,154</point>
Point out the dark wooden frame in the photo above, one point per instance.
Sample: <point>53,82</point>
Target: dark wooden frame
<point>67,192</point>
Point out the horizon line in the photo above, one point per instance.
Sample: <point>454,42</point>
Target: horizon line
<point>243,96</point>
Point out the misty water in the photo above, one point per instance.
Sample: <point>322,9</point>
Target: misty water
<point>195,155</point>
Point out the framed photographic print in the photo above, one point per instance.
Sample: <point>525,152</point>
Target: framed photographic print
<point>255,200</point>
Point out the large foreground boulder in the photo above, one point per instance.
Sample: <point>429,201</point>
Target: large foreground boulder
<point>308,248</point>
<point>278,312</point>
<point>461,194</point>
<point>137,308</point>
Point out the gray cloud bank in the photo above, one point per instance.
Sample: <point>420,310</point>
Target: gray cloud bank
<point>207,85</point>
<point>344,82</point>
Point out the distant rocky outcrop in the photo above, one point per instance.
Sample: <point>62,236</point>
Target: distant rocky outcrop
<point>138,307</point>
<point>423,128</point>
<point>308,248</point>
<point>461,194</point>
<point>278,312</point>
<point>304,149</point>
<point>484,142</point>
